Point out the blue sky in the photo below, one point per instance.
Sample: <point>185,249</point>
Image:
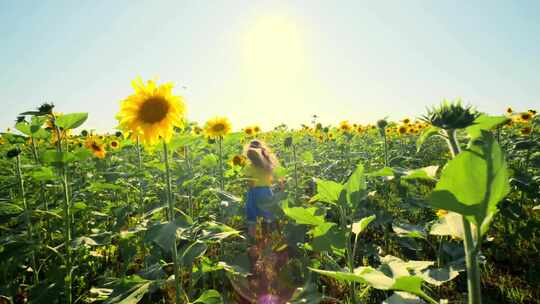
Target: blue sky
<point>270,62</point>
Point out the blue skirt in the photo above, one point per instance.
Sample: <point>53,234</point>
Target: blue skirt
<point>255,196</point>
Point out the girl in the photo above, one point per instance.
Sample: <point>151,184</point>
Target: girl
<point>260,174</point>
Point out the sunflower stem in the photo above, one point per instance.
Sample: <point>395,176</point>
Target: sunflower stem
<point>27,216</point>
<point>172,220</point>
<point>139,164</point>
<point>67,220</point>
<point>471,254</point>
<point>220,146</point>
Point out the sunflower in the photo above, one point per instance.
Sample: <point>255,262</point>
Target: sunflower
<point>95,145</point>
<point>532,112</point>
<point>344,126</point>
<point>256,129</point>
<point>509,110</point>
<point>526,131</point>
<point>217,127</point>
<point>239,160</point>
<point>249,131</point>
<point>525,117</point>
<point>197,130</point>
<point>318,126</point>
<point>360,129</point>
<point>402,130</point>
<point>388,131</point>
<point>406,121</point>
<point>152,112</point>
<point>441,212</point>
<point>114,144</point>
<point>331,136</point>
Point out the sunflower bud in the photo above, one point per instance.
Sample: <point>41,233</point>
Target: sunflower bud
<point>381,124</point>
<point>20,119</point>
<point>451,115</point>
<point>118,134</point>
<point>288,142</point>
<point>84,133</point>
<point>46,108</point>
<point>13,152</point>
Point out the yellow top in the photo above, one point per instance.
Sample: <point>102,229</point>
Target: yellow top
<point>257,176</point>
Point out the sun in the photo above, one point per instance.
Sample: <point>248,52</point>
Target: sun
<point>273,49</point>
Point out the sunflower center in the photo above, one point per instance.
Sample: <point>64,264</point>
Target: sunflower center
<point>153,110</point>
<point>218,127</point>
<point>95,146</point>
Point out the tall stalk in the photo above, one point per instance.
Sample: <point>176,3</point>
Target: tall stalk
<point>220,147</point>
<point>67,219</point>
<point>139,166</point>
<point>172,221</point>
<point>385,148</point>
<point>295,173</point>
<point>471,253</point>
<point>27,216</point>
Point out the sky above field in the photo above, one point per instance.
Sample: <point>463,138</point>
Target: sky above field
<point>270,62</point>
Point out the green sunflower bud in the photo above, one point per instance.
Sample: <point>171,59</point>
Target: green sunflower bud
<point>451,115</point>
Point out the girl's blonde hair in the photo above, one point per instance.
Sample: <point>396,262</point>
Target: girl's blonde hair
<point>260,155</point>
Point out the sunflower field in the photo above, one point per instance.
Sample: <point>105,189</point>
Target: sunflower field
<point>441,208</point>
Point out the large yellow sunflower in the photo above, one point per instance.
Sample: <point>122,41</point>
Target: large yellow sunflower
<point>152,112</point>
<point>344,126</point>
<point>217,127</point>
<point>95,145</point>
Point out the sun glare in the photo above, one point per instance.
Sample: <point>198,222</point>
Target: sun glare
<point>273,50</point>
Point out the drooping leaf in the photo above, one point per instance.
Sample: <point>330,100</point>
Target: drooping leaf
<point>360,225</point>
<point>427,133</point>
<point>129,290</point>
<point>209,297</point>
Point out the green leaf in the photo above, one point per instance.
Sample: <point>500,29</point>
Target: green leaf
<point>474,182</point>
<point>400,297</point>
<point>71,121</point>
<point>209,161</point>
<point>129,290</point>
<point>217,231</point>
<point>340,275</point>
<point>327,237</point>
<point>393,274</point>
<point>209,297</point>
<point>43,174</point>
<point>193,251</point>
<point>386,171</point>
<point>439,276</point>
<point>280,172</point>
<point>360,225</point>
<point>485,123</point>
<point>57,158</point>
<point>450,224</point>
<point>24,127</point>
<point>427,133</point>
<point>307,157</point>
<point>355,185</point>
<point>9,209</point>
<point>327,191</point>
<point>407,230</point>
<point>305,216</point>
<point>427,173</point>
<point>164,235</point>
